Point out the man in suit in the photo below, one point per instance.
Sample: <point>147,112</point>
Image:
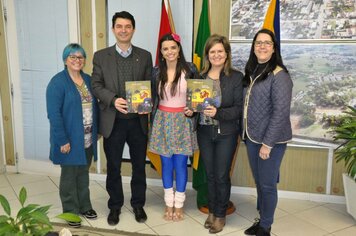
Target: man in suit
<point>112,67</point>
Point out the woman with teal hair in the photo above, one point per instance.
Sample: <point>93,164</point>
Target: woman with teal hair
<point>72,113</point>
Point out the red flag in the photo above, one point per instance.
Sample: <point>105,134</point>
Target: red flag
<point>167,25</point>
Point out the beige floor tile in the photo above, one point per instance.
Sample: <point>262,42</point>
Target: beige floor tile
<point>102,183</point>
<point>43,199</point>
<point>55,180</point>
<point>8,193</point>
<point>294,206</point>
<point>157,189</point>
<point>97,191</point>
<point>127,222</point>
<point>326,219</point>
<point>239,199</point>
<point>294,226</point>
<point>341,208</point>
<point>153,198</point>
<point>190,206</point>
<point>234,233</point>
<point>292,217</point>
<point>39,187</point>
<point>147,231</point>
<point>247,210</point>
<point>346,232</point>
<point>3,181</point>
<point>188,226</point>
<point>155,215</point>
<point>234,222</point>
<point>21,179</point>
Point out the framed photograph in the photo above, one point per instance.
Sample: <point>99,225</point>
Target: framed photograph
<point>299,19</point>
<point>324,81</point>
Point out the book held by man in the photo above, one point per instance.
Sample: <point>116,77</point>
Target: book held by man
<point>199,94</point>
<point>138,96</point>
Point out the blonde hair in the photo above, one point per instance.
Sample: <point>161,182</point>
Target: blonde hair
<point>210,42</point>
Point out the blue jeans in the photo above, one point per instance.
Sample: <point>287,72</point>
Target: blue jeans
<point>217,152</point>
<point>265,173</point>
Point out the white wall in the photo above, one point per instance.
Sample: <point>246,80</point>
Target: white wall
<point>147,14</point>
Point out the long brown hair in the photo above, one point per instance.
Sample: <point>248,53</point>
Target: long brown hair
<point>210,42</point>
<point>181,67</point>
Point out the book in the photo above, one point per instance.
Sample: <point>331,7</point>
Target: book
<point>199,94</point>
<point>138,96</point>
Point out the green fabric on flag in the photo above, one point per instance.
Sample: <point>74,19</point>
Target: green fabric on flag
<point>200,183</point>
<point>203,30</point>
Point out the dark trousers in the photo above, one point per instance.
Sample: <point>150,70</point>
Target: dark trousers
<point>217,152</point>
<point>265,173</point>
<point>74,186</point>
<point>126,131</point>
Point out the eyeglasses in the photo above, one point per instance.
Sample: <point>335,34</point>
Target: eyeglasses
<point>265,43</point>
<point>74,58</point>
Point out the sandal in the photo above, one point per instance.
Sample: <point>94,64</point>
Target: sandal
<point>178,214</point>
<point>168,214</point>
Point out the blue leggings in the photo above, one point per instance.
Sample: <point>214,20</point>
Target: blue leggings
<point>177,163</point>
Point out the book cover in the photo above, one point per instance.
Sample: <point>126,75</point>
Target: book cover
<point>199,94</point>
<point>138,96</point>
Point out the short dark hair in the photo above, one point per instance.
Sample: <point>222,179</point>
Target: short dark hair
<point>125,15</point>
<point>71,49</point>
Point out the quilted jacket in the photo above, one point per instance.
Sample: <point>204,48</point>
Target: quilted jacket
<point>267,103</point>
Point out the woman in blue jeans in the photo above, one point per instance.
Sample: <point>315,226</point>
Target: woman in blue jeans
<point>218,127</point>
<point>266,123</point>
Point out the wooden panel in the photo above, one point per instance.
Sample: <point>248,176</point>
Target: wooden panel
<point>302,170</point>
<point>86,32</point>
<point>101,26</point>
<point>242,175</point>
<point>337,186</point>
<point>5,96</point>
<point>220,17</point>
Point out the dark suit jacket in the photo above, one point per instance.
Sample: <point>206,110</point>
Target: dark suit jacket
<point>105,83</point>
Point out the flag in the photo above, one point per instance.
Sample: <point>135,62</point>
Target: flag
<point>203,34</point>
<point>200,183</point>
<point>166,25</point>
<point>272,21</point>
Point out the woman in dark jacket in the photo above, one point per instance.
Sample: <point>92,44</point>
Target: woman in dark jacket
<point>72,114</point>
<point>266,126</point>
<point>218,127</point>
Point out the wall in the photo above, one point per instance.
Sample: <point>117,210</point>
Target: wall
<point>310,170</point>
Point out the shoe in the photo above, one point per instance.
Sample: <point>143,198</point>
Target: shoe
<point>263,232</point>
<point>168,214</point>
<point>178,214</point>
<point>91,214</point>
<point>253,229</point>
<point>113,217</point>
<point>209,221</point>
<point>218,225</point>
<point>74,224</point>
<point>140,214</point>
